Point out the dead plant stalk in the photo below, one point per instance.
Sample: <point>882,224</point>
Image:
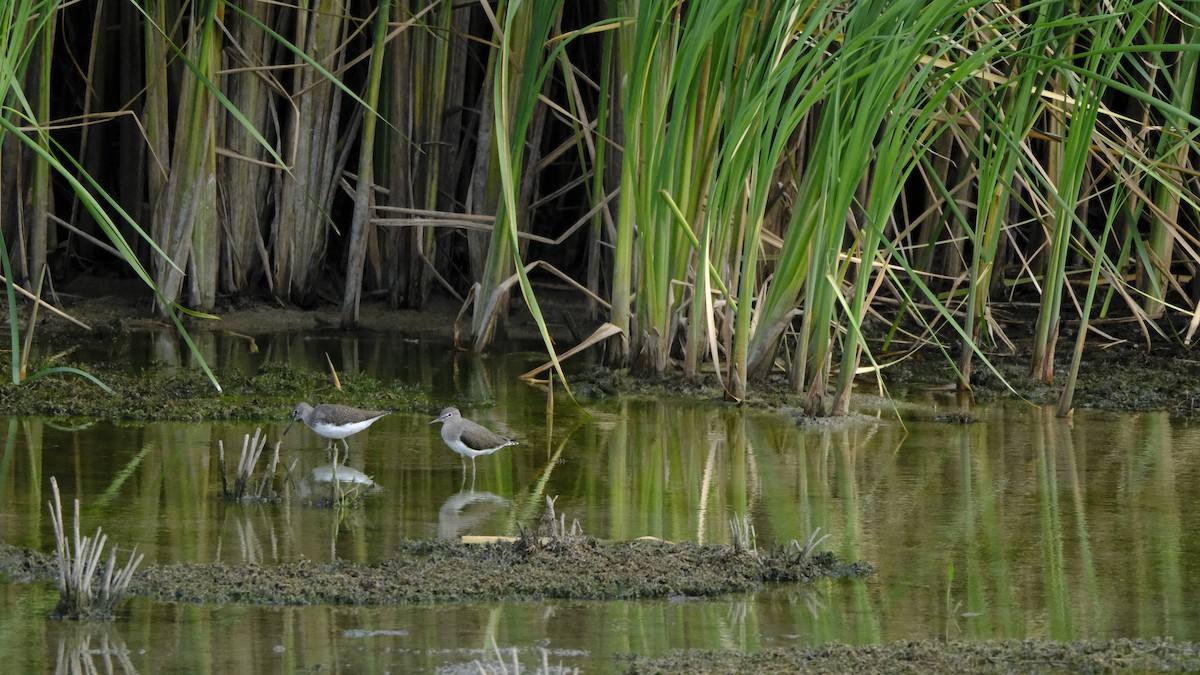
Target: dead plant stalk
<point>77,566</point>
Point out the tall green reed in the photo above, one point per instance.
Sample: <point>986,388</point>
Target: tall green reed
<point>1175,148</point>
<point>518,78</point>
<point>1009,108</point>
<point>19,122</point>
<point>1066,174</point>
<point>876,117</point>
<point>669,100</point>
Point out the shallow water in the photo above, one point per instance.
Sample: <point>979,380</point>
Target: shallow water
<point>1021,525</point>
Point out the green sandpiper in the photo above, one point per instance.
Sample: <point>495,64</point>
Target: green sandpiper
<point>334,421</point>
<point>467,438</point>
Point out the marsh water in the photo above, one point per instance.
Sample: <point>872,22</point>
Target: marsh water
<point>1017,525</point>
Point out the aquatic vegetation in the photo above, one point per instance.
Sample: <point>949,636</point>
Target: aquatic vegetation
<point>174,394</point>
<point>500,667</point>
<point>743,534</point>
<point>805,552</point>
<point>245,486</point>
<point>80,596</point>
<point>26,80</point>
<point>551,530</point>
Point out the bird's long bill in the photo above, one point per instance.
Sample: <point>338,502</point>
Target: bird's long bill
<point>440,418</point>
<point>289,426</point>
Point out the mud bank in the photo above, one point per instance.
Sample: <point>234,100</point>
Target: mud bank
<point>438,571</point>
<point>937,656</point>
<point>1121,369</point>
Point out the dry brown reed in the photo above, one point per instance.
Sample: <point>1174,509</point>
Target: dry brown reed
<point>79,596</point>
<point>499,667</point>
<point>805,552</point>
<point>245,486</point>
<point>743,534</point>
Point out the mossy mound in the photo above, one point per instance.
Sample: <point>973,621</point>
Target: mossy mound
<point>163,394</point>
<point>438,571</point>
<point>938,656</point>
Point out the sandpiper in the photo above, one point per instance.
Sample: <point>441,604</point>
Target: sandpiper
<point>469,439</point>
<point>334,421</point>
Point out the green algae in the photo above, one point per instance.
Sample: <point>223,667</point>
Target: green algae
<point>167,393</point>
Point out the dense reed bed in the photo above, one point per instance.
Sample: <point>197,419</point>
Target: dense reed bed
<point>739,188</point>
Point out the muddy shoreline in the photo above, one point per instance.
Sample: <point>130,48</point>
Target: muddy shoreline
<point>1120,370</point>
<point>940,656</point>
<point>1125,366</point>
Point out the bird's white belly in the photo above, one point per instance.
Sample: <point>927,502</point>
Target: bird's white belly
<point>341,431</point>
<point>467,451</point>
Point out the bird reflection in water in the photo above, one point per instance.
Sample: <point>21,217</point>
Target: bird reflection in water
<point>466,509</point>
<point>317,485</point>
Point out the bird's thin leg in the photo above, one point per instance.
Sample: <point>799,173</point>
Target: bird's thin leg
<point>346,458</point>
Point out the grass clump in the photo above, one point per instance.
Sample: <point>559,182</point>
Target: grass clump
<point>245,486</point>
<point>499,667</point>
<point>744,538</point>
<point>552,531</point>
<point>79,596</point>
